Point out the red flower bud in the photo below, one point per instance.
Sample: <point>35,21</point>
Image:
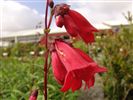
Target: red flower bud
<point>59,21</point>
<point>61,9</point>
<point>50,3</point>
<point>34,95</point>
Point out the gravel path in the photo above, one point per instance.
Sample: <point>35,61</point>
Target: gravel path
<point>95,92</point>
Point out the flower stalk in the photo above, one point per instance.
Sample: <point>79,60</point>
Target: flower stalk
<point>46,31</point>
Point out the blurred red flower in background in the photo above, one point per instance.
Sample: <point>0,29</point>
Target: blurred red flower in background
<point>75,24</point>
<point>71,66</point>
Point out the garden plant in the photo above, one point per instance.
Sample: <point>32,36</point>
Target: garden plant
<point>70,65</point>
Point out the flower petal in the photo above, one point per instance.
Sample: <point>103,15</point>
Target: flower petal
<point>86,73</point>
<point>101,69</point>
<point>58,68</point>
<point>86,29</point>
<point>92,63</point>
<point>69,57</point>
<point>84,55</point>
<point>94,68</point>
<point>70,26</point>
<point>88,37</point>
<point>67,83</point>
<point>91,82</point>
<point>81,21</point>
<point>76,84</point>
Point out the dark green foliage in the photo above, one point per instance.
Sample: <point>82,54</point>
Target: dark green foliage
<point>117,55</point>
<point>80,44</point>
<point>20,75</point>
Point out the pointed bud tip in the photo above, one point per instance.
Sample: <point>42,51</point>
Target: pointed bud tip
<point>51,3</point>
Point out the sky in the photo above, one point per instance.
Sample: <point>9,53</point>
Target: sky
<point>18,15</point>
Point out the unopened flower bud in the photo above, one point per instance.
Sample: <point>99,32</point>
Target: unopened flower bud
<point>50,3</point>
<point>61,9</point>
<point>59,21</point>
<point>34,95</point>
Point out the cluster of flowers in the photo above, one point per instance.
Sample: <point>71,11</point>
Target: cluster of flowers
<point>71,66</point>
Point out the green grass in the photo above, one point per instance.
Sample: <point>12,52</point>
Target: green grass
<point>21,75</point>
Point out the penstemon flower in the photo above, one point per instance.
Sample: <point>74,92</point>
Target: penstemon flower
<point>71,66</point>
<point>76,24</point>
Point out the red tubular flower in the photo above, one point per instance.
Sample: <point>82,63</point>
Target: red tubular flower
<point>74,22</point>
<point>34,95</point>
<point>71,66</point>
